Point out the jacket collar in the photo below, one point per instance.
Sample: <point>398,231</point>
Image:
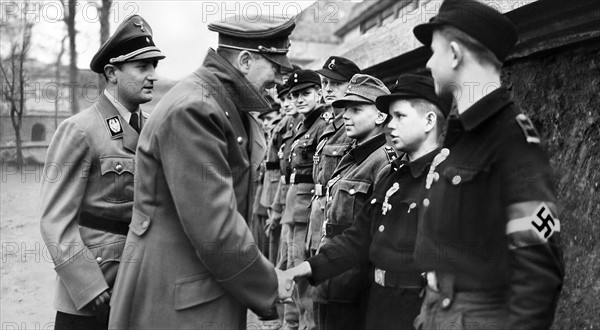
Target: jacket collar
<point>234,86</point>
<point>108,112</point>
<point>313,116</point>
<point>485,108</point>
<point>416,167</point>
<point>365,149</point>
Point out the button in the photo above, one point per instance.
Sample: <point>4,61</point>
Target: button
<point>446,302</point>
<point>436,176</point>
<point>304,144</point>
<point>335,153</point>
<point>99,259</point>
<point>307,136</point>
<point>227,114</point>
<point>312,191</point>
<point>456,180</point>
<point>119,167</point>
<point>374,200</point>
<point>426,202</point>
<point>240,140</point>
<point>381,228</point>
<point>145,224</point>
<point>352,191</point>
<point>294,154</point>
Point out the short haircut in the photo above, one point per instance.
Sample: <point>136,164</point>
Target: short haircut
<point>482,54</point>
<point>231,54</point>
<point>424,107</point>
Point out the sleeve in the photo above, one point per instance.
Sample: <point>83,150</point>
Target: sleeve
<point>193,150</point>
<point>345,251</point>
<point>533,230</point>
<point>66,172</point>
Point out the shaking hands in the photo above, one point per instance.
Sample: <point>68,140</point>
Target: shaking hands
<point>286,280</point>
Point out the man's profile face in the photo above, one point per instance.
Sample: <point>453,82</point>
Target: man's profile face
<point>440,63</point>
<point>135,81</point>
<point>407,129</point>
<point>263,73</point>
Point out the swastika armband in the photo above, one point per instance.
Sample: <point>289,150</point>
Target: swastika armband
<point>531,134</point>
<point>530,223</point>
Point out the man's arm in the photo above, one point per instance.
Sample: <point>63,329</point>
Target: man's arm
<point>66,173</point>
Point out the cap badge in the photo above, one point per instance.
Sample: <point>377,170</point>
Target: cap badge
<point>114,124</point>
<point>295,75</point>
<point>141,26</point>
<point>148,40</point>
<point>332,65</point>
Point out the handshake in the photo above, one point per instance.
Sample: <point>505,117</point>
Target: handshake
<point>286,280</point>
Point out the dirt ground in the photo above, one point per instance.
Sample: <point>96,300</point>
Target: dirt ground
<point>27,274</point>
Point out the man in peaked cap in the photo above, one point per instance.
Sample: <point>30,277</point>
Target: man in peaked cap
<point>196,263</point>
<point>488,235</point>
<point>86,210</point>
<point>383,231</point>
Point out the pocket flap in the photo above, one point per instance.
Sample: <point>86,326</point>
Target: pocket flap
<point>139,222</point>
<point>117,164</point>
<point>196,290</point>
<point>353,186</point>
<point>458,175</point>
<point>335,150</point>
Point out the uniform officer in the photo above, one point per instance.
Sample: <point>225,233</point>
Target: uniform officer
<point>195,263</point>
<point>86,207</point>
<point>333,143</point>
<point>305,88</point>
<point>340,301</point>
<point>385,229</point>
<point>488,234</point>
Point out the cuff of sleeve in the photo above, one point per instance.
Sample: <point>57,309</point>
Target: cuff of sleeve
<point>82,277</point>
<point>316,265</point>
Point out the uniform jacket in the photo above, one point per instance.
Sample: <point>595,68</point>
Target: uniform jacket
<point>272,164</point>
<point>353,182</point>
<point>287,138</point>
<point>89,171</point>
<point>333,145</point>
<point>195,263</point>
<point>303,148</point>
<point>492,218</point>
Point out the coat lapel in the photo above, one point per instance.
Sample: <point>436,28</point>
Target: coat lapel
<point>109,113</point>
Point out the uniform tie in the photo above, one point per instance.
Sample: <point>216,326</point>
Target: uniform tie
<point>134,121</point>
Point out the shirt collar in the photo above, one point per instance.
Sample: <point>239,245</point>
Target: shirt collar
<point>418,166</point>
<point>365,149</point>
<point>313,116</point>
<point>485,108</point>
<point>126,114</point>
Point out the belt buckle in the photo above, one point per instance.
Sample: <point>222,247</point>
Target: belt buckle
<point>380,276</point>
<point>319,190</point>
<point>432,281</point>
<point>293,178</point>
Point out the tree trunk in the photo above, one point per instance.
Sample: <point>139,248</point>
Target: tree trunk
<point>73,71</point>
<point>104,34</point>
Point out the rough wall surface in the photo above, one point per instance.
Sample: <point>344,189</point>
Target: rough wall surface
<point>561,94</point>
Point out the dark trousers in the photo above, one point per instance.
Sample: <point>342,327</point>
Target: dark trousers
<point>339,316</point>
<point>66,321</point>
<point>392,308</point>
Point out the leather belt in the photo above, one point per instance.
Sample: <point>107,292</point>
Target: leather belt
<point>114,226</point>
<point>272,165</point>
<point>398,280</point>
<point>334,229</point>
<point>300,178</point>
<point>319,190</point>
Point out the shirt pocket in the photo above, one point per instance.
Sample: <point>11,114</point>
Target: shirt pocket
<point>348,200</point>
<point>117,178</point>
<point>332,155</point>
<point>302,155</point>
<point>108,257</point>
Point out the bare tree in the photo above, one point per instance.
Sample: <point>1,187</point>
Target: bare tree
<point>57,77</point>
<point>18,33</point>
<point>70,10</point>
<point>104,13</point>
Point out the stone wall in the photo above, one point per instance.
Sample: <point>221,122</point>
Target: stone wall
<point>561,93</point>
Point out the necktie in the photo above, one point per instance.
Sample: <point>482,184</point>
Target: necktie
<point>134,121</point>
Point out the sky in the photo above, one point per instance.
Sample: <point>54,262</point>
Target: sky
<point>179,27</point>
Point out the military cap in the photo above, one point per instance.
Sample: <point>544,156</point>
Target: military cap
<point>131,42</point>
<point>301,79</point>
<point>339,68</point>
<point>483,23</point>
<point>263,34</point>
<point>362,88</point>
<point>411,86</point>
<point>282,90</point>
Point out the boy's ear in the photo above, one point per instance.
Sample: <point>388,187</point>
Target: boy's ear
<point>430,121</point>
<point>381,118</point>
<point>458,54</point>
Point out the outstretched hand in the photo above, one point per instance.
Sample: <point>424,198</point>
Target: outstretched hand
<point>286,284</point>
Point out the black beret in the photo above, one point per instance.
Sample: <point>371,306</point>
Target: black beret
<point>302,79</point>
<point>411,86</point>
<point>483,23</point>
<point>339,68</point>
<point>131,41</point>
<point>264,34</point>
<point>362,88</point>
<point>282,90</point>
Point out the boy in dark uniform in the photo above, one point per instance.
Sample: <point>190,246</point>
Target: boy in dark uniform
<point>488,233</point>
<point>385,229</point>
